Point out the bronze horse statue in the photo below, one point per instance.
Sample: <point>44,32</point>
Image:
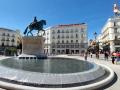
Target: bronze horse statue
<point>35,25</point>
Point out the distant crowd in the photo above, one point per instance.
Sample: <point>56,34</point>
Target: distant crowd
<point>115,56</point>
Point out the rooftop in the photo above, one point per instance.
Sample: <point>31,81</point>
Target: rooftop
<point>68,25</point>
<point>9,30</point>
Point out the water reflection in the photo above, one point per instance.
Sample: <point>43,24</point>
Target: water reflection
<point>54,65</point>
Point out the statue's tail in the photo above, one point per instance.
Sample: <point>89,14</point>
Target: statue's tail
<point>25,30</point>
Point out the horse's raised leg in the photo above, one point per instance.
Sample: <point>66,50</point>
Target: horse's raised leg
<point>31,33</point>
<point>28,33</point>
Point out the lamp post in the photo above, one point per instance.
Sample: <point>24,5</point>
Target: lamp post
<point>96,46</point>
<point>95,34</point>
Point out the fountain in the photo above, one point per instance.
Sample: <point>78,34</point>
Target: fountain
<point>33,71</point>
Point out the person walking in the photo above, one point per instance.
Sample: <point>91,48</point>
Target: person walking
<point>106,55</point>
<point>85,55</point>
<point>113,58</point>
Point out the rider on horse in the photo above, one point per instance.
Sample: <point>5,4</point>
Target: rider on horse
<point>35,25</point>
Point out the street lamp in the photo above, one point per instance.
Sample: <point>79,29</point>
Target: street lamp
<point>96,47</point>
<point>95,34</point>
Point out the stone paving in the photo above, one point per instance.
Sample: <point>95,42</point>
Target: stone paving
<point>114,67</point>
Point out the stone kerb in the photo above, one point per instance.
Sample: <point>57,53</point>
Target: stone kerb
<point>33,45</point>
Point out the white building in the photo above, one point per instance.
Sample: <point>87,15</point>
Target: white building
<point>110,34</point>
<point>66,39</point>
<point>8,38</point>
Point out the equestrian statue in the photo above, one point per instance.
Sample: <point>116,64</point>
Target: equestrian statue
<point>36,25</point>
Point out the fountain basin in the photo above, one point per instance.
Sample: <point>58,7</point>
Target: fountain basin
<point>49,78</point>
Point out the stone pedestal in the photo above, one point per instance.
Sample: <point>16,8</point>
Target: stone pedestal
<point>33,45</point>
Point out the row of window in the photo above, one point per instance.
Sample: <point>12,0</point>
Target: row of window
<point>76,36</point>
<point>8,40</point>
<point>65,52</point>
<point>67,41</point>
<point>68,46</point>
<point>4,34</point>
<point>6,44</point>
<point>65,31</point>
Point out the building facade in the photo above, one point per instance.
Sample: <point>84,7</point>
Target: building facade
<point>9,38</point>
<point>110,34</point>
<point>66,39</point>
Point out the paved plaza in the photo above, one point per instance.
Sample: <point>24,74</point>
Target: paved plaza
<point>116,68</point>
<point>115,85</point>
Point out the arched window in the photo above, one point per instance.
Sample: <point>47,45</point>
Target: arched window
<point>67,41</point>
<point>62,41</point>
<point>76,35</point>
<point>58,36</point>
<point>58,31</point>
<point>76,41</point>
<point>71,41</point>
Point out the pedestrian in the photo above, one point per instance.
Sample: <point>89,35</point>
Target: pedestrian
<point>85,55</point>
<point>113,58</point>
<point>106,56</point>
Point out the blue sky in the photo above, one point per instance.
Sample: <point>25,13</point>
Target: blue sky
<point>17,14</point>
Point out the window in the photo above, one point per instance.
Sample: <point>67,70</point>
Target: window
<point>76,46</point>
<point>76,41</point>
<point>12,40</point>
<point>3,39</point>
<point>53,32</point>
<point>3,34</point>
<point>67,31</point>
<point>62,41</point>
<point>53,37</point>
<point>67,41</point>
<point>67,46</point>
<point>58,31</point>
<point>58,36</point>
<point>58,46</point>
<point>67,36</point>
<point>13,35</point>
<point>53,46</point>
<point>82,36</point>
<point>62,31</point>
<point>115,30</point>
<point>63,46</point>
<point>72,46</point>
<point>62,36</point>
<point>76,35</point>
<point>76,30</point>
<point>8,34</point>
<point>71,36</point>
<point>114,23</point>
<point>58,41</point>
<point>71,41</point>
<point>71,30</point>
<point>7,39</point>
<point>3,44</point>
